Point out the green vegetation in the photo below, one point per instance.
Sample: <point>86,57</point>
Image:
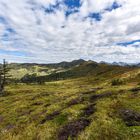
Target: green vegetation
<point>116,82</point>
<point>3,77</point>
<point>78,102</point>
<point>32,78</point>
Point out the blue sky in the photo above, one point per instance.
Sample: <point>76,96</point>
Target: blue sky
<point>45,31</point>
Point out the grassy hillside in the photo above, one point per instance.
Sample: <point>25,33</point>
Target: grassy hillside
<point>19,70</point>
<point>98,72</point>
<point>79,103</point>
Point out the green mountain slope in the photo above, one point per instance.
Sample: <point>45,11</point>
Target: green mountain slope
<point>88,101</point>
<point>90,69</point>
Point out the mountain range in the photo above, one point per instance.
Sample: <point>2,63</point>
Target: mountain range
<point>66,64</point>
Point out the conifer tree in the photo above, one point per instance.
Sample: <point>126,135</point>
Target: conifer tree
<point>3,76</point>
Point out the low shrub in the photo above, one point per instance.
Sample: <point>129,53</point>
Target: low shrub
<point>116,82</point>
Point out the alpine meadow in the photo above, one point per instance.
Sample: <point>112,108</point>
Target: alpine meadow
<point>69,70</point>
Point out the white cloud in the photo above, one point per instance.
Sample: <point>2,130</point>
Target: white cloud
<point>95,5</point>
<point>51,37</point>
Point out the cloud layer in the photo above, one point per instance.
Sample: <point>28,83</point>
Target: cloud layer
<point>47,31</point>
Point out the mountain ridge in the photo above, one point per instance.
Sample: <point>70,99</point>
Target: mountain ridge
<point>69,64</point>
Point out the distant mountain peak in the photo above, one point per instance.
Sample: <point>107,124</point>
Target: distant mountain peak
<point>78,60</point>
<point>121,64</point>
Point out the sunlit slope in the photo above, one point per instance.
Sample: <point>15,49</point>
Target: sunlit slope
<point>84,106</point>
<point>74,69</point>
<point>94,70</point>
<point>76,108</point>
